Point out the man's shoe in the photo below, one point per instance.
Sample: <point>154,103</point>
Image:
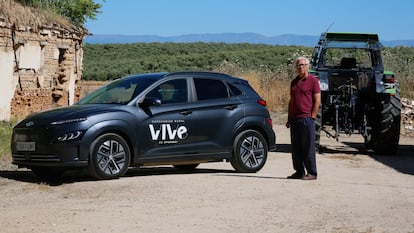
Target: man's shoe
<point>295,176</point>
<point>309,177</point>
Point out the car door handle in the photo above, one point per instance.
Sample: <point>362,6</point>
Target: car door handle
<point>186,112</point>
<point>230,107</point>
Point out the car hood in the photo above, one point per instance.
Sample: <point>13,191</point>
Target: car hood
<point>73,112</point>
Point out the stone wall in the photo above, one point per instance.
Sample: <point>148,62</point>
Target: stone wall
<point>40,66</point>
<point>407,117</point>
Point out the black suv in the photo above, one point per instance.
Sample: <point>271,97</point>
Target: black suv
<point>182,119</point>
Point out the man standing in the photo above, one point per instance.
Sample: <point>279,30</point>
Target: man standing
<point>305,98</point>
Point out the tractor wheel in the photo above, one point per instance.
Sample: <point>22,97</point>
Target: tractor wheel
<point>318,127</point>
<point>385,126</point>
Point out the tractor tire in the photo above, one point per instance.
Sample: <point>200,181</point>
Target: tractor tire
<point>318,127</point>
<point>386,123</point>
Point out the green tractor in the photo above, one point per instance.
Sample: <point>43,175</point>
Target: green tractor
<point>357,95</point>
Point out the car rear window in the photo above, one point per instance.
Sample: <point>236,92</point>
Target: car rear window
<point>234,91</point>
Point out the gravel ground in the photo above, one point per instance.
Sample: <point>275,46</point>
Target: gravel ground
<point>356,191</point>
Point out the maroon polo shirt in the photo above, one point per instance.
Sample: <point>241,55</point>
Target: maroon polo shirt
<point>301,96</point>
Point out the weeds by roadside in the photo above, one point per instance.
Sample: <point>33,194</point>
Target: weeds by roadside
<point>5,137</point>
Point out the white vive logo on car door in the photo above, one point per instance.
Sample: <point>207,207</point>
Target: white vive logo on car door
<point>168,131</point>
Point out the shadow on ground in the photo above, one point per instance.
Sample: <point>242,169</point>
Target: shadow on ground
<point>284,148</point>
<point>403,161</point>
<point>80,176</point>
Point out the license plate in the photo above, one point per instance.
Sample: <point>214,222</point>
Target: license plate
<point>25,146</point>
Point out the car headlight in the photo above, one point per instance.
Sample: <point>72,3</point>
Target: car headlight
<point>70,136</point>
<point>68,121</point>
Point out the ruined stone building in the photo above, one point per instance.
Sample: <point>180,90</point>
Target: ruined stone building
<point>40,61</point>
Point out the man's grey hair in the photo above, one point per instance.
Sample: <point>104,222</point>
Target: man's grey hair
<point>302,58</point>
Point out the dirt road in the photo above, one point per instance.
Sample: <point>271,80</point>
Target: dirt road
<point>355,192</point>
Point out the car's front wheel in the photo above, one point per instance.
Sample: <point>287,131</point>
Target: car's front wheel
<point>249,151</point>
<point>109,156</point>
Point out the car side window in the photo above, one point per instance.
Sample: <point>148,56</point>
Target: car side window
<point>172,91</point>
<point>210,89</point>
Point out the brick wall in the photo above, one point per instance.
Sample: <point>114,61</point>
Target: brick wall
<point>46,67</point>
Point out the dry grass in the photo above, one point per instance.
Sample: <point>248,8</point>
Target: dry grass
<point>272,87</point>
<point>274,91</point>
<point>5,136</point>
<point>406,88</point>
<point>15,14</point>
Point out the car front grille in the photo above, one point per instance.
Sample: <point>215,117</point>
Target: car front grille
<point>35,158</point>
<point>26,135</point>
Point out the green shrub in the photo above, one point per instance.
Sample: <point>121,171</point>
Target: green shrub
<point>5,136</point>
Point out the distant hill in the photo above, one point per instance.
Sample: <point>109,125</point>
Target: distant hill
<point>251,38</point>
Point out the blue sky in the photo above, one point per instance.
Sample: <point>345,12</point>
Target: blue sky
<point>391,19</point>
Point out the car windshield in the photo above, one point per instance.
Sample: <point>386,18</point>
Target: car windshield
<point>354,58</point>
<point>121,91</point>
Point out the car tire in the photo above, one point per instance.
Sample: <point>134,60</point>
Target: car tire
<point>109,156</point>
<point>249,151</point>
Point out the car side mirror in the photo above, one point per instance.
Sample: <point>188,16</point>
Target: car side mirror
<point>150,101</point>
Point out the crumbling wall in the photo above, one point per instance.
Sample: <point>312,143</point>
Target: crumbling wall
<point>407,117</point>
<point>40,64</point>
<point>7,79</point>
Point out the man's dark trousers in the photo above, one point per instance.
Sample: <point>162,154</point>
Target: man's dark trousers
<point>302,135</point>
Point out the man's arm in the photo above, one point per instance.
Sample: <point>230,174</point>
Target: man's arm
<point>288,120</point>
<point>316,103</point>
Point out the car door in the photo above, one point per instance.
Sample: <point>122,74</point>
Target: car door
<point>167,131</point>
<point>218,109</point>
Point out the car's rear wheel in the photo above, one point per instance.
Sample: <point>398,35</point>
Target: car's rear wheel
<point>249,151</point>
<point>109,156</point>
